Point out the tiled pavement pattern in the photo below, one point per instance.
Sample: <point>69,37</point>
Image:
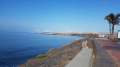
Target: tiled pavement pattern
<point>102,57</point>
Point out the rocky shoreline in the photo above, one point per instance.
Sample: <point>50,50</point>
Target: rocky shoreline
<point>58,57</point>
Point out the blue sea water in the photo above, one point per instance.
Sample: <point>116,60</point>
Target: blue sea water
<point>17,48</point>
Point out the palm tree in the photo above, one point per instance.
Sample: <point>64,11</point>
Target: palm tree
<point>113,20</point>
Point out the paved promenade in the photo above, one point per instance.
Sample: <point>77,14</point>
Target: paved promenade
<point>112,49</point>
<point>83,58</point>
<point>106,54</point>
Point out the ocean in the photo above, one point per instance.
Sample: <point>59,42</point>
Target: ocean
<point>17,48</point>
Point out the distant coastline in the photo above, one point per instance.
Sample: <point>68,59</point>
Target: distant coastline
<point>71,34</point>
<point>59,33</point>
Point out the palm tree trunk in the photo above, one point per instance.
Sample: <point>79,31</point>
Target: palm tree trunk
<point>110,28</point>
<point>113,29</point>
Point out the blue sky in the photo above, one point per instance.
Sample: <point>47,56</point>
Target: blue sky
<point>56,15</point>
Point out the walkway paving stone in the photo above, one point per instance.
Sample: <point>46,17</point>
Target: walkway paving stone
<point>103,59</point>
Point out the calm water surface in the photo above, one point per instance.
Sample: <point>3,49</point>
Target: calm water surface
<point>17,48</point>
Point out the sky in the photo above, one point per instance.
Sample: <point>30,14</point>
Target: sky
<point>56,15</point>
